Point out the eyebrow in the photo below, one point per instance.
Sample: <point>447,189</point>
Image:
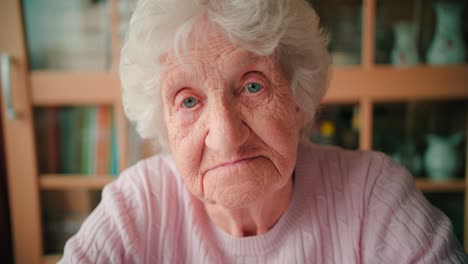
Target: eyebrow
<point>179,74</point>
<point>175,77</point>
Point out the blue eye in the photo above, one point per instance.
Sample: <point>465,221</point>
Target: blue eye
<point>253,87</point>
<point>190,102</point>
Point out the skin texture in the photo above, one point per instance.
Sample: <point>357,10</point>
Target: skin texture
<point>235,149</point>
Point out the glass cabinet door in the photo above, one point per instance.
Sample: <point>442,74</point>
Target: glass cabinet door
<point>336,125</point>
<point>76,149</point>
<point>63,213</point>
<point>429,139</point>
<point>67,35</point>
<point>342,20</point>
<point>421,32</point>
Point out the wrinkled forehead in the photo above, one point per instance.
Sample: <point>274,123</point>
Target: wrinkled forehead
<point>209,51</point>
<point>208,44</point>
<point>214,60</point>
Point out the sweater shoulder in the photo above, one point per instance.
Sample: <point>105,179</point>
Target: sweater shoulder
<point>343,178</point>
<point>147,176</point>
<point>140,186</point>
<point>140,192</point>
<point>331,162</point>
<point>127,218</point>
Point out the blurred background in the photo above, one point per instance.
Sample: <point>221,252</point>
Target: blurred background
<point>398,85</point>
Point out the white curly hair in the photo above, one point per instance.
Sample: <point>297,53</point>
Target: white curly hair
<point>287,29</point>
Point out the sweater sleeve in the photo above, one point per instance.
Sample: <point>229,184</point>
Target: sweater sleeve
<point>115,232</point>
<point>401,226</point>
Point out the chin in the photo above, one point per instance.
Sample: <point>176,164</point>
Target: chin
<point>236,195</point>
<point>242,184</point>
<point>242,195</point>
<point>242,200</point>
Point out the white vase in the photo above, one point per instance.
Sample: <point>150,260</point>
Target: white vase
<point>441,159</point>
<point>447,46</point>
<point>405,51</point>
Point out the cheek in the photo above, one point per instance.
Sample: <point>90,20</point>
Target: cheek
<point>183,143</point>
<point>186,144</point>
<point>179,132</point>
<point>278,127</point>
<point>277,122</point>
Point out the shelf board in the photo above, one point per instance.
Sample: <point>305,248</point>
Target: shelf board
<point>50,88</point>
<point>49,259</point>
<point>73,181</point>
<point>427,185</point>
<point>387,83</point>
<point>347,85</point>
<point>97,182</point>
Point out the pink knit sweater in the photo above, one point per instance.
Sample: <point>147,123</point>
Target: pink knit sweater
<point>346,207</point>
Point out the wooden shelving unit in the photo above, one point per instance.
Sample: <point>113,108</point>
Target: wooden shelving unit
<point>51,259</point>
<point>430,186</point>
<point>371,84</point>
<point>448,82</point>
<point>73,182</point>
<point>69,88</point>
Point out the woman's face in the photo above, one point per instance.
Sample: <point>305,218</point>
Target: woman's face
<point>232,122</point>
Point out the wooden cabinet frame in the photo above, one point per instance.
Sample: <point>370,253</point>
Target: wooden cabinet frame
<point>19,142</point>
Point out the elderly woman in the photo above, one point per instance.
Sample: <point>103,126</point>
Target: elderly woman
<point>227,89</point>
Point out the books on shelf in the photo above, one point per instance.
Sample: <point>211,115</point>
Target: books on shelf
<point>76,140</point>
<point>104,118</point>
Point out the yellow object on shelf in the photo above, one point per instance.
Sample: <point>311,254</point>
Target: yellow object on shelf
<point>327,128</point>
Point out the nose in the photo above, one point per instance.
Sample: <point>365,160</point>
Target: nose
<point>227,130</point>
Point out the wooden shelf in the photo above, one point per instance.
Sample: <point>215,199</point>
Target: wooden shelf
<point>74,88</point>
<point>351,84</point>
<point>51,259</point>
<point>73,182</point>
<point>431,186</point>
<point>348,85</point>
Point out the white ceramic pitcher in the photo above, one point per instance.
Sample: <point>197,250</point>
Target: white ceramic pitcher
<point>441,159</point>
<point>447,46</point>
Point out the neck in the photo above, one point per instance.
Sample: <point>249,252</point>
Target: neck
<point>254,219</point>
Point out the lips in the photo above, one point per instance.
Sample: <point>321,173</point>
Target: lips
<point>231,163</point>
